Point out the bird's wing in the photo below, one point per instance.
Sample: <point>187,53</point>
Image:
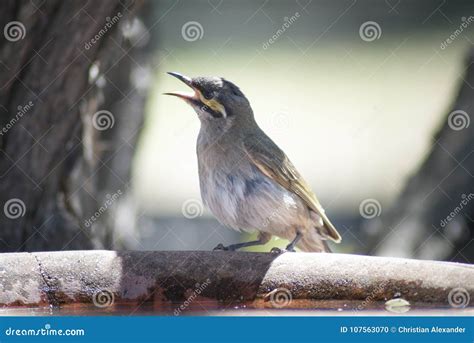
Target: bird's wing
<point>273,163</point>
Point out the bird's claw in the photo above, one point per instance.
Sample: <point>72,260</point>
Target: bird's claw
<point>277,251</point>
<point>220,247</point>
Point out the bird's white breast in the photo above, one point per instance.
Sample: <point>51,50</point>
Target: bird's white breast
<point>247,200</point>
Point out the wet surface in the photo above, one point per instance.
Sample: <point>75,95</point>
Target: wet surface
<point>259,307</point>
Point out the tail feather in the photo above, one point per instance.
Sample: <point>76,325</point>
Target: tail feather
<point>325,227</point>
<point>330,231</point>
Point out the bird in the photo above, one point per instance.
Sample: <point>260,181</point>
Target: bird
<point>246,180</point>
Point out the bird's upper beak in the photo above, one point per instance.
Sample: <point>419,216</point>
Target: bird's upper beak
<point>183,95</point>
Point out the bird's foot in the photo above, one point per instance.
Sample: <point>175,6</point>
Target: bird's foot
<point>221,247</point>
<point>291,247</point>
<point>278,251</point>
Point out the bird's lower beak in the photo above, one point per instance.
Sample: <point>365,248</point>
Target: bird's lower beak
<point>187,81</point>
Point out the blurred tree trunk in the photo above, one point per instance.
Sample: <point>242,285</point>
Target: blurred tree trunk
<point>434,216</point>
<point>70,113</point>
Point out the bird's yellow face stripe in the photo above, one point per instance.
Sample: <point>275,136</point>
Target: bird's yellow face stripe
<point>213,104</point>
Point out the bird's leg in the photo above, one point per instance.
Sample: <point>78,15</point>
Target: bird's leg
<point>291,246</point>
<point>263,238</point>
<point>238,246</point>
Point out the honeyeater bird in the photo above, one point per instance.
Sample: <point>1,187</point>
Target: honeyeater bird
<point>246,180</point>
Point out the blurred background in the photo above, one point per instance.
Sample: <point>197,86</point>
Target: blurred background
<point>356,114</point>
<point>371,100</point>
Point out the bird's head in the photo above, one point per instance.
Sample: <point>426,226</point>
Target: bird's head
<point>214,99</point>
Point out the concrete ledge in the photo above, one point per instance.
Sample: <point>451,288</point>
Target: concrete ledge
<point>210,280</point>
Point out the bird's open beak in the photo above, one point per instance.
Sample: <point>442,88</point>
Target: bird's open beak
<point>183,95</point>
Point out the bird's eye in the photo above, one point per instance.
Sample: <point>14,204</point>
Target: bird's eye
<point>207,95</point>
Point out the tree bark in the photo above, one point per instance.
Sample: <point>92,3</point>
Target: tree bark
<point>58,166</point>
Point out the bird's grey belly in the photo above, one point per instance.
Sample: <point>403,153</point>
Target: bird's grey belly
<point>251,202</point>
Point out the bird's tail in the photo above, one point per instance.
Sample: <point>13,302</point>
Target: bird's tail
<point>312,242</point>
<point>325,227</point>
